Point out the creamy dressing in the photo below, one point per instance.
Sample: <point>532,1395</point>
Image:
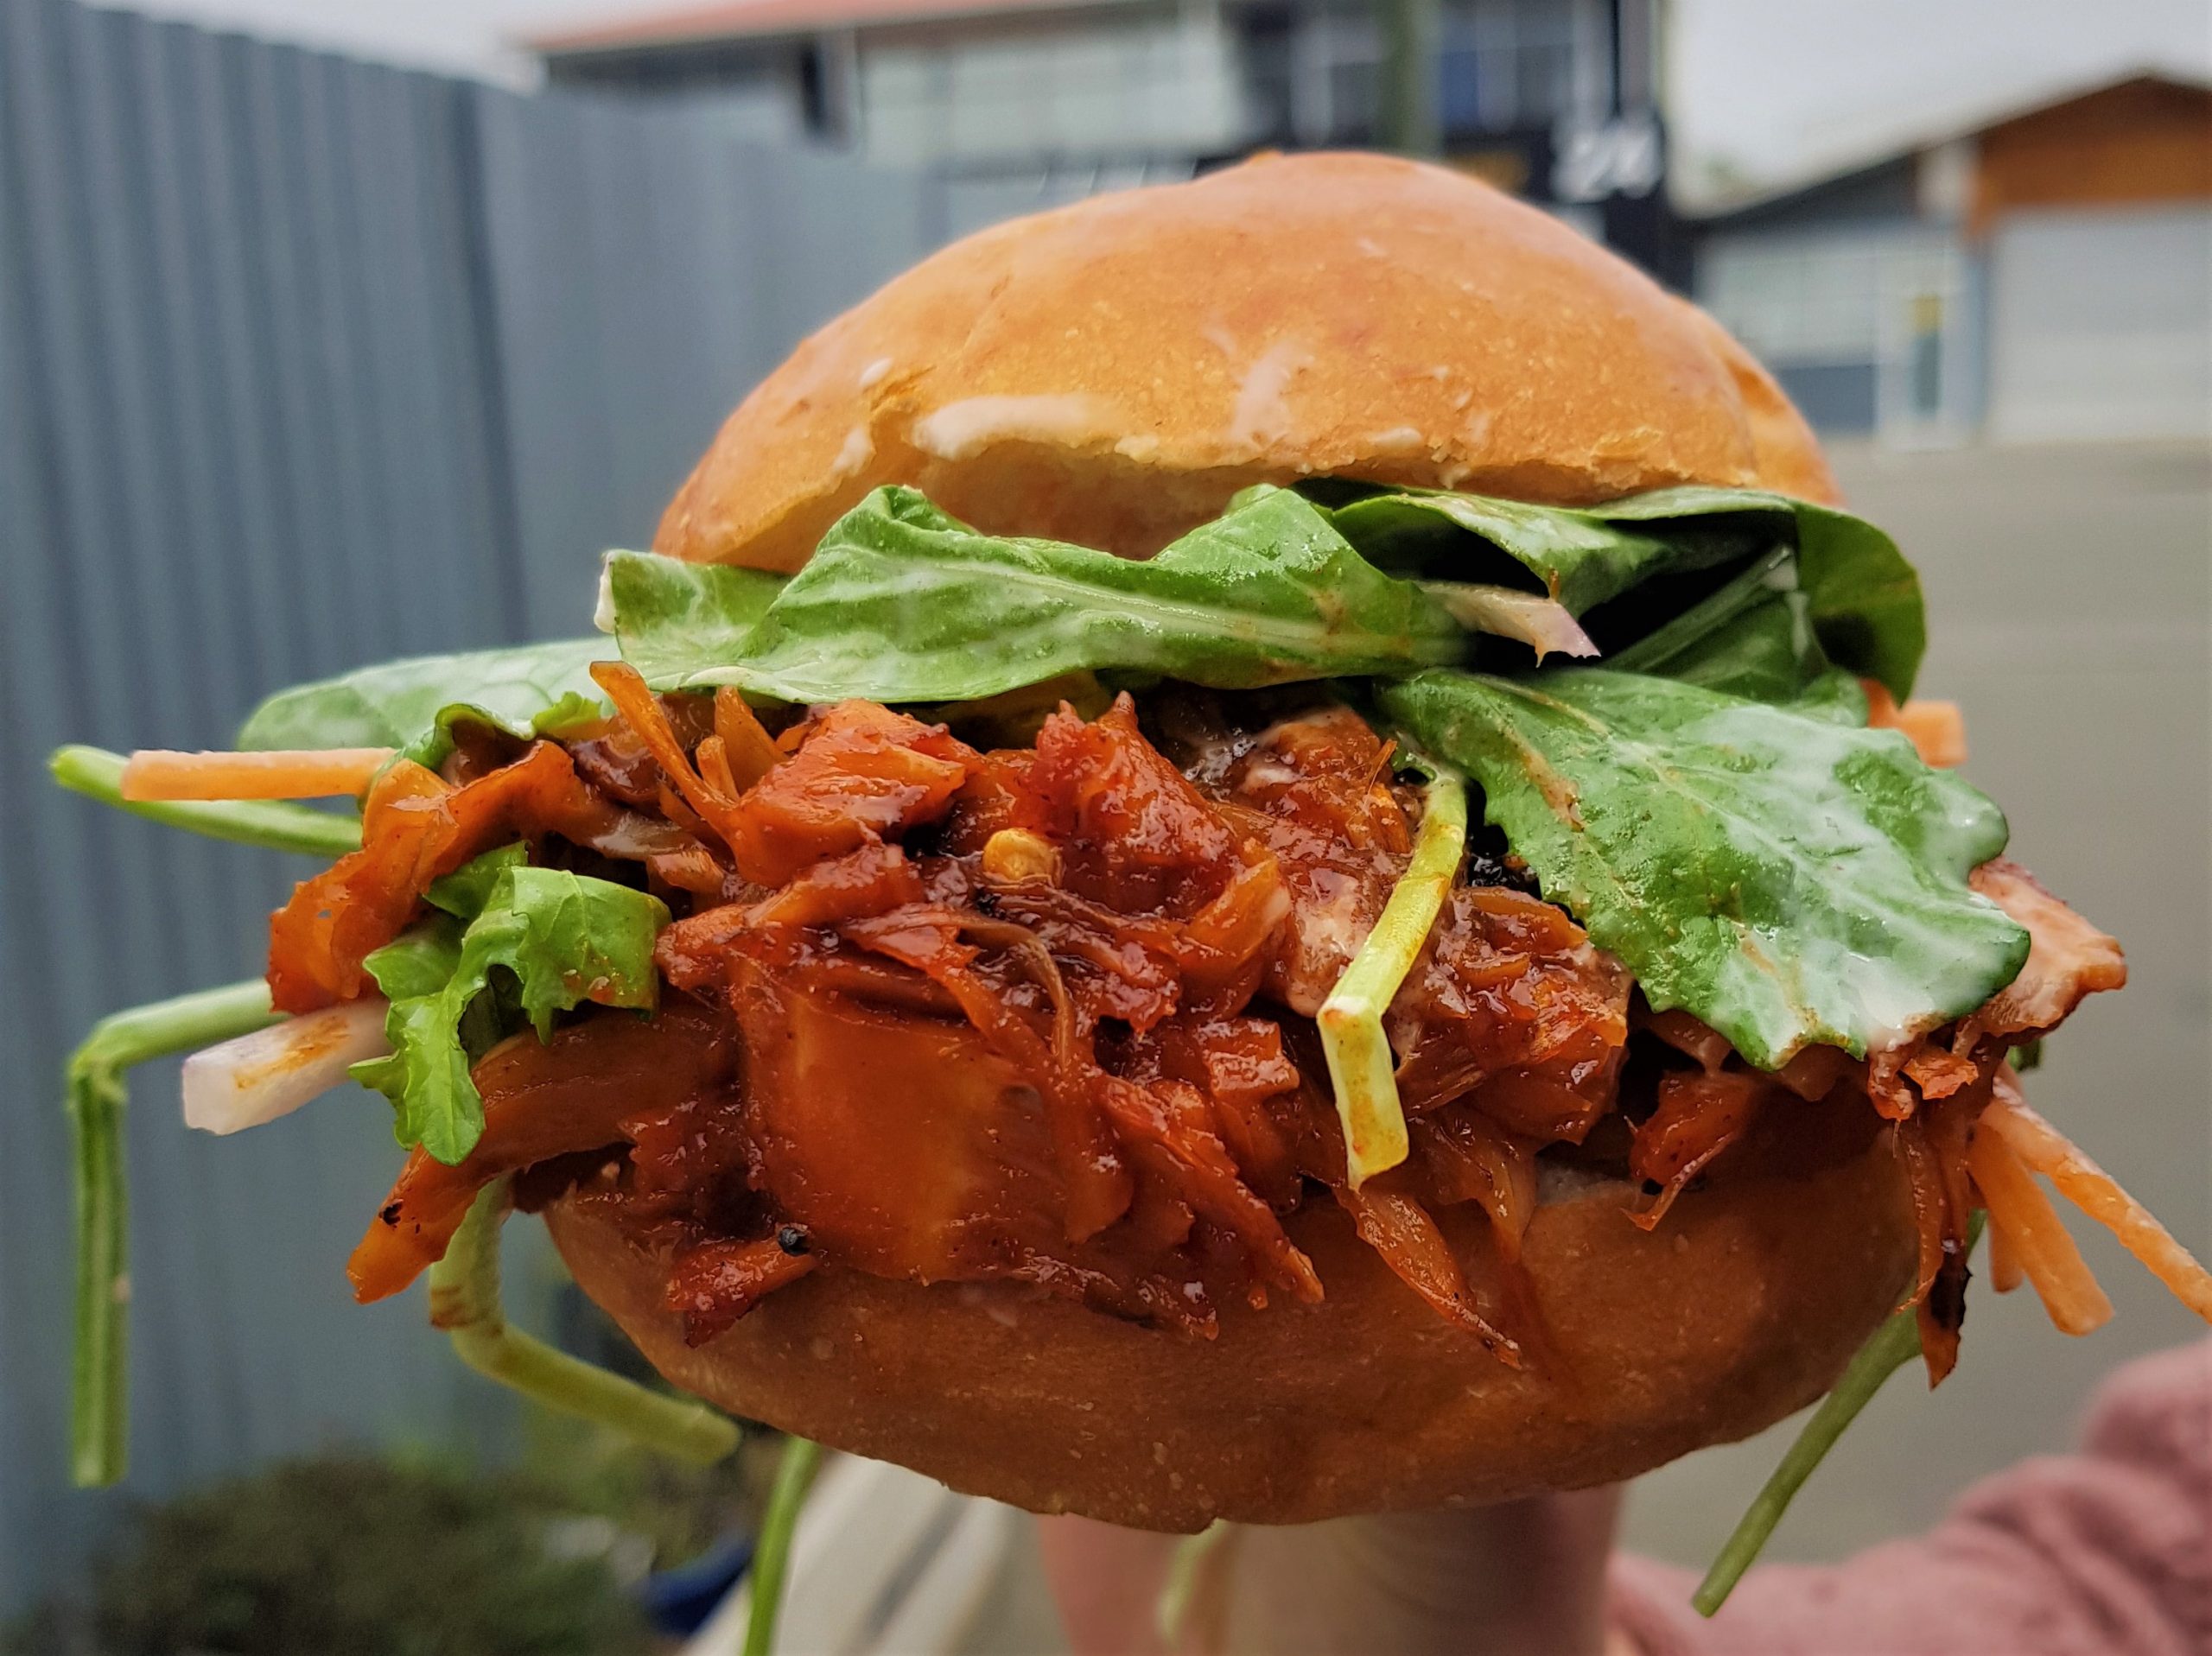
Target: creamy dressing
<point>1397,439</point>
<point>859,448</point>
<point>1261,412</point>
<point>961,430</point>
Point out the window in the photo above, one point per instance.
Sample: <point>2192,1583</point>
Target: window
<point>1513,65</point>
<point>1124,90</point>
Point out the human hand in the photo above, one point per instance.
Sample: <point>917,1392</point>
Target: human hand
<point>1526,1578</point>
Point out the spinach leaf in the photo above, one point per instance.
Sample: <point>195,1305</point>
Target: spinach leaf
<point>412,705</point>
<point>564,937</point>
<point>1862,597</point>
<point>903,604</point>
<point>1790,880</point>
<point>669,618</point>
<point>1752,637</point>
<point>1576,556</point>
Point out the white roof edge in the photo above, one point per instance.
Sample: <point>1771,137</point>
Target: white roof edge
<point>1968,118</point>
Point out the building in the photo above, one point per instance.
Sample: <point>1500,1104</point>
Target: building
<point>2044,275</point>
<point>1554,98</point>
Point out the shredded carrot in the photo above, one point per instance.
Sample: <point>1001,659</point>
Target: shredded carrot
<point>2041,1148</point>
<point>749,749</point>
<point>311,773</point>
<point>2022,1216</point>
<point>713,761</point>
<point>2005,1272</point>
<point>626,687</point>
<point>1937,728</point>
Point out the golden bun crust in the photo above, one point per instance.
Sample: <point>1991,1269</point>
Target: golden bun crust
<point>1743,1306</point>
<point>1110,372</point>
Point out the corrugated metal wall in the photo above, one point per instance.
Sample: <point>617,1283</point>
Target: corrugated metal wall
<point>305,363</point>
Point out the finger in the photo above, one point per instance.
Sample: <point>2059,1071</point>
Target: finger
<point>1107,1581</point>
<point>1525,1575</point>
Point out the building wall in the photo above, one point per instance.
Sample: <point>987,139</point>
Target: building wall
<point>1869,323</point>
<point>1166,84</point>
<point>2045,278</point>
<point>2139,142</point>
<point>2101,322</point>
<point>1191,80</point>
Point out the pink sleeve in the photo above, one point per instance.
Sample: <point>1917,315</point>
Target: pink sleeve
<point>2106,1551</point>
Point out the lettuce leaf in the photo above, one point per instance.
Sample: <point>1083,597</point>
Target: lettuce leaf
<point>563,937</point>
<point>902,603</point>
<point>669,617</point>
<point>465,892</point>
<point>413,705</point>
<point>1862,598</point>
<point>1790,880</point>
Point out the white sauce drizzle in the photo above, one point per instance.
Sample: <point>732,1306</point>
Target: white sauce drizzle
<point>960,430</point>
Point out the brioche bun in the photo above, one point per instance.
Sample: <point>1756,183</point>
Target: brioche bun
<point>1744,1305</point>
<point>1110,373</point>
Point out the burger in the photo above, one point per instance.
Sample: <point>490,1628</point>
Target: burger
<point>1252,850</point>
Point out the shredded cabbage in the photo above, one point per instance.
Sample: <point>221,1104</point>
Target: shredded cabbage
<point>1362,1068</point>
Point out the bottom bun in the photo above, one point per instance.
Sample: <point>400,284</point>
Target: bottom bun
<point>1742,1306</point>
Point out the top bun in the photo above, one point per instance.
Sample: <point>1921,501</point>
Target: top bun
<point>1110,373</point>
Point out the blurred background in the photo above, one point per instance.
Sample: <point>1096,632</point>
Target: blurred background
<point>332,330</point>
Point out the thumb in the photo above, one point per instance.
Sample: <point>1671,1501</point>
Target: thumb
<point>1525,1578</point>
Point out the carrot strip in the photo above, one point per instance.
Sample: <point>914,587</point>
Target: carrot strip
<point>2005,1272</point>
<point>1926,1180</point>
<point>751,751</point>
<point>311,773</point>
<point>2023,1216</point>
<point>714,767</point>
<point>626,687</point>
<point>1937,728</point>
<point>2043,1149</point>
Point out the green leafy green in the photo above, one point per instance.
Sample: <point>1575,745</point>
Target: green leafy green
<point>1579,557</point>
<point>99,1411</point>
<point>413,705</point>
<point>669,617</point>
<point>464,892</point>
<point>1889,1348</point>
<point>274,824</point>
<point>772,1554</point>
<point>564,938</point>
<point>1752,637</point>
<point>465,1292</point>
<point>1790,880</point>
<point>903,604</point>
<point>1861,596</point>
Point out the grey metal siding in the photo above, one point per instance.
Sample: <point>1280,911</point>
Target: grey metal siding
<point>305,362</point>
<point>647,266</point>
